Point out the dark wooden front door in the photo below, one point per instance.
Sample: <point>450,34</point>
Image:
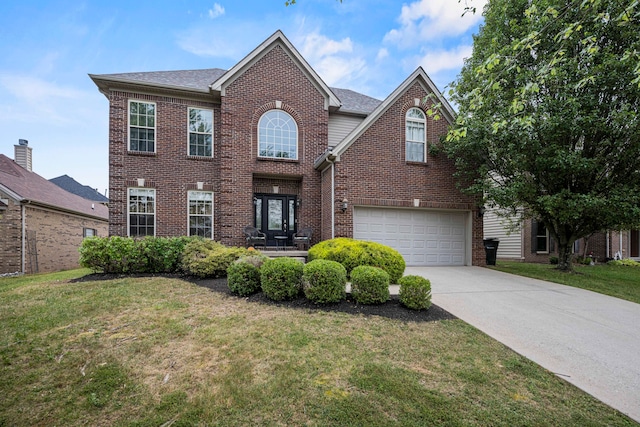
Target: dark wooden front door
<point>275,215</point>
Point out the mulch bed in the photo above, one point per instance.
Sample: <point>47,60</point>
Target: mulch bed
<point>391,309</point>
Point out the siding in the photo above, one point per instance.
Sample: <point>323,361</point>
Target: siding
<point>510,246</point>
<point>340,126</point>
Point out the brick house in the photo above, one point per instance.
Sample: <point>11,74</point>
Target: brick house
<point>42,225</point>
<point>530,241</point>
<point>268,143</point>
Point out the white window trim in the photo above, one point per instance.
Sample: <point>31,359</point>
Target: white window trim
<point>547,241</point>
<point>155,124</point>
<point>297,137</point>
<point>213,143</point>
<point>155,209</point>
<point>213,207</point>
<point>406,138</point>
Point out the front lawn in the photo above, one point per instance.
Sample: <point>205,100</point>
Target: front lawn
<point>616,281</point>
<point>154,351</point>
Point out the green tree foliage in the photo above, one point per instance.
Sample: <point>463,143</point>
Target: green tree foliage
<point>548,115</point>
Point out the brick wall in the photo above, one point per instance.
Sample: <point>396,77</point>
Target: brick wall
<point>169,170</point>
<point>58,237</point>
<point>373,172</point>
<point>11,240</point>
<point>274,77</point>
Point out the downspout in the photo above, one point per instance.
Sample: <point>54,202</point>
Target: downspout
<point>24,238</point>
<point>620,233</point>
<point>333,199</point>
<point>608,251</point>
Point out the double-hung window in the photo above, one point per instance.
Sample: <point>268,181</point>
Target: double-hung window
<point>201,214</point>
<point>542,239</point>
<point>142,126</point>
<point>142,212</point>
<point>416,144</point>
<point>277,135</point>
<point>200,132</point>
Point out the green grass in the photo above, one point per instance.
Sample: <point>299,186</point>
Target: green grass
<point>616,281</point>
<point>158,351</point>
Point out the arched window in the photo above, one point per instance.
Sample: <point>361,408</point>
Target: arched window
<point>416,136</point>
<point>277,135</point>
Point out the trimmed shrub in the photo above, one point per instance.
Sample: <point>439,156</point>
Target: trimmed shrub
<point>207,258</point>
<point>553,260</point>
<point>324,281</point>
<point>352,253</point>
<point>243,278</point>
<point>415,292</point>
<point>369,285</point>
<point>126,255</point>
<point>281,278</point>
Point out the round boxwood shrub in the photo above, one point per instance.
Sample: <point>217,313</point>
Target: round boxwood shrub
<point>281,278</point>
<point>324,281</point>
<point>369,285</point>
<point>415,292</point>
<point>353,253</point>
<point>243,278</point>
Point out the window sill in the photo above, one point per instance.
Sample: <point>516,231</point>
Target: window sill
<point>277,159</point>
<point>142,153</point>
<point>416,163</point>
<point>202,158</point>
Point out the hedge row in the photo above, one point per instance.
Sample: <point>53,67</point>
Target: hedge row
<point>125,255</point>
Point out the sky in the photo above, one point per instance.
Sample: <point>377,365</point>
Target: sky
<point>48,48</point>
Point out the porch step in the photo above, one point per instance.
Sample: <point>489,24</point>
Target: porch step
<point>299,255</point>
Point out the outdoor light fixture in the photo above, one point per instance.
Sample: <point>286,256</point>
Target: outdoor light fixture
<point>344,205</point>
<point>255,201</point>
<point>298,202</point>
<point>481,211</point>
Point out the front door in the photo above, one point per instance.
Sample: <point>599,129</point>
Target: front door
<point>275,215</point>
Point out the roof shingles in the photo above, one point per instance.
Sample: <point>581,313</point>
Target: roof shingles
<point>31,187</point>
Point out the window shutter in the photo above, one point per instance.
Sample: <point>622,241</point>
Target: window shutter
<point>552,245</point>
<point>534,236</point>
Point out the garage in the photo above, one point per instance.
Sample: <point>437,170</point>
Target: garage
<point>423,237</point>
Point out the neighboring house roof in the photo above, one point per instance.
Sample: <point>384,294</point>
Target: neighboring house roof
<point>418,76</point>
<point>29,187</point>
<point>72,186</point>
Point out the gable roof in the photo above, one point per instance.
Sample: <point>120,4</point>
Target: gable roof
<point>72,186</point>
<point>418,76</point>
<point>277,39</point>
<point>29,187</point>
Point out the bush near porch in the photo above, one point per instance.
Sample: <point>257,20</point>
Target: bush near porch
<point>353,253</point>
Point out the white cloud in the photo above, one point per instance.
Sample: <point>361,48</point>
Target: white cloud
<point>427,20</point>
<point>333,60</point>
<point>437,61</point>
<point>382,54</point>
<point>217,10</point>
<point>228,41</point>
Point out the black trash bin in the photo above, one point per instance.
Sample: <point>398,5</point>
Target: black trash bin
<point>491,249</point>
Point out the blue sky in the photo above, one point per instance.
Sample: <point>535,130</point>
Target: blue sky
<point>48,48</point>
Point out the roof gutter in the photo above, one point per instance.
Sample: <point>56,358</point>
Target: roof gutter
<point>327,158</point>
<point>60,209</point>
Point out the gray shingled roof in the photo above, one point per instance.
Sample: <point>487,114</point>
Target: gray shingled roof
<point>30,186</point>
<point>200,80</point>
<point>72,186</point>
<point>188,79</point>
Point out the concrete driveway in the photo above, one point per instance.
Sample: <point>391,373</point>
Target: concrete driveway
<point>588,339</point>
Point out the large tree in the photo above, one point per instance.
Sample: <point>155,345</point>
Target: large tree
<point>548,121</point>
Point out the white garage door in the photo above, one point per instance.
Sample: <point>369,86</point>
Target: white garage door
<point>423,237</point>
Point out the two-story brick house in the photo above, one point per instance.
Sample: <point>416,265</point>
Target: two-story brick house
<point>268,143</point>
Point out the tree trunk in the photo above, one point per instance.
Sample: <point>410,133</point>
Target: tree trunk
<point>564,256</point>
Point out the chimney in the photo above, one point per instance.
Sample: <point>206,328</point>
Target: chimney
<point>23,154</point>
